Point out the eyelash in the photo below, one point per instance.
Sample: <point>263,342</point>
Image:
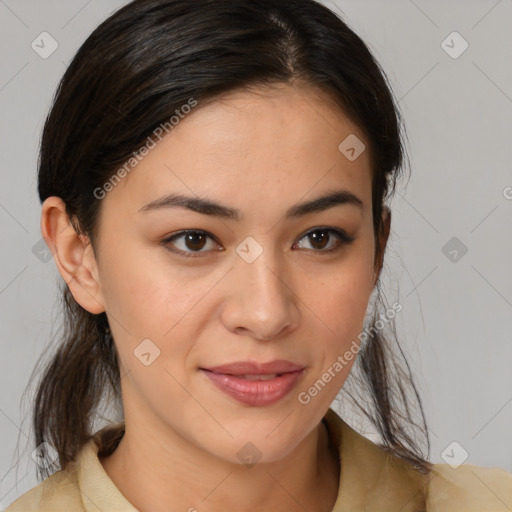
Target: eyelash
<point>344,238</point>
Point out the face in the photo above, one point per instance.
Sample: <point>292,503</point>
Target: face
<point>256,279</point>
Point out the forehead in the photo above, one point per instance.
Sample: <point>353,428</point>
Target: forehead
<point>254,147</point>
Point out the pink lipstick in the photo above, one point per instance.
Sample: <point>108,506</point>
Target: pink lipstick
<point>256,384</point>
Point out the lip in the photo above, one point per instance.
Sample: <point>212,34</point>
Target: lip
<point>230,379</point>
<point>253,368</point>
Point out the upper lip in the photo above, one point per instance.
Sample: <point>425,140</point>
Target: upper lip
<point>253,368</point>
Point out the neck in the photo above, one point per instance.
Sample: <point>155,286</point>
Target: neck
<point>180,476</point>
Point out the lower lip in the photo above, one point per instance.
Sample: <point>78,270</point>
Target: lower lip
<point>256,393</point>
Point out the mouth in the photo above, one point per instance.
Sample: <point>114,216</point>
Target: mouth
<point>256,384</point>
<point>270,376</point>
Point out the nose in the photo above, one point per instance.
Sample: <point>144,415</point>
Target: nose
<point>260,302</point>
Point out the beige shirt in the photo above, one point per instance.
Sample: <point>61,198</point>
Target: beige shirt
<point>371,480</point>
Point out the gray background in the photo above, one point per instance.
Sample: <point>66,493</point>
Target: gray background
<point>457,313</point>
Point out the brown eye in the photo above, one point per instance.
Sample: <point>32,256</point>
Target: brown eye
<point>319,239</point>
<point>195,241</point>
<point>189,242</point>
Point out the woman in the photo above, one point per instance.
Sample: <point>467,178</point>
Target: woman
<point>213,177</point>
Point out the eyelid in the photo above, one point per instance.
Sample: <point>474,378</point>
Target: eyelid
<point>343,236</point>
<point>179,234</point>
<point>339,231</point>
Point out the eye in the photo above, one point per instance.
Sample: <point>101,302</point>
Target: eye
<point>320,237</point>
<point>192,242</point>
<point>195,240</point>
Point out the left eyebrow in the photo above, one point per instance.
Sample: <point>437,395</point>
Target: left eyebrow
<point>209,207</point>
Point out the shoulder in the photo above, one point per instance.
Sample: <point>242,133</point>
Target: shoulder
<point>83,485</point>
<point>57,492</point>
<point>373,479</point>
<point>469,488</point>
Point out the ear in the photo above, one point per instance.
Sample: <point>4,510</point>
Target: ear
<point>386,226</point>
<point>73,254</point>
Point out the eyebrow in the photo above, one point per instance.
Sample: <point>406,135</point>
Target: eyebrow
<point>209,207</point>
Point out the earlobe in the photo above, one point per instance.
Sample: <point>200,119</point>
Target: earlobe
<point>386,219</point>
<point>73,254</point>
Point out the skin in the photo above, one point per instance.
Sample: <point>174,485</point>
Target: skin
<point>260,152</point>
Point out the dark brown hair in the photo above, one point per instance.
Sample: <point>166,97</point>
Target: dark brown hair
<point>131,74</point>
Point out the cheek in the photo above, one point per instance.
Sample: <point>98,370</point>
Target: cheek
<point>341,298</point>
<point>150,300</point>
<point>340,304</point>
<point>141,292</point>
